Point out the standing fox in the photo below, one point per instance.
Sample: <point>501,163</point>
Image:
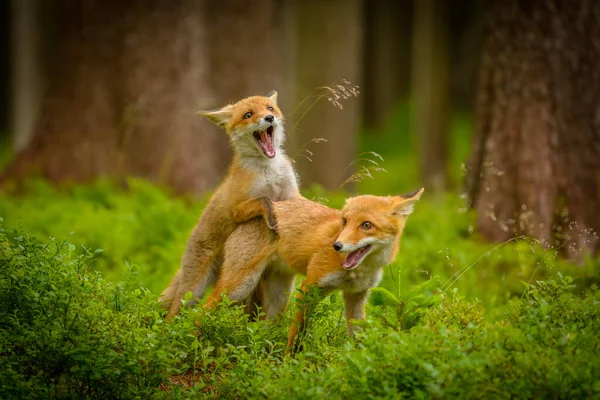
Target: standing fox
<point>259,168</point>
<point>335,249</point>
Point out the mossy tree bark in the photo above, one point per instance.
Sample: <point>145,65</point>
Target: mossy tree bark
<point>535,168</point>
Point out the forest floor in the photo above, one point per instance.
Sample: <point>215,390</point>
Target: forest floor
<point>454,317</point>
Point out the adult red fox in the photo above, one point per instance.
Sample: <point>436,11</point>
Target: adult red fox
<point>335,249</point>
<point>259,168</point>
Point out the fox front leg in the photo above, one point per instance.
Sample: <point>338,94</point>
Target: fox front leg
<point>293,344</point>
<point>354,306</point>
<point>303,300</point>
<point>253,208</point>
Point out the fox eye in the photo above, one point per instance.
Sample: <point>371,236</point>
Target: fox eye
<point>270,108</point>
<point>344,221</point>
<point>248,115</point>
<point>366,225</point>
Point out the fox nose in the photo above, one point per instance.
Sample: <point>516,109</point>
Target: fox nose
<point>337,246</point>
<point>269,118</point>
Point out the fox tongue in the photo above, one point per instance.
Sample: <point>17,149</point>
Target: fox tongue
<point>267,144</point>
<point>353,257</point>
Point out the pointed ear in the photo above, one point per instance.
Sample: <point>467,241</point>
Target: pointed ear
<point>219,117</point>
<point>405,203</point>
<point>273,96</point>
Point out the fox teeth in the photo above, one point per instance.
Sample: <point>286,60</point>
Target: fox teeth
<point>265,140</point>
<point>353,258</point>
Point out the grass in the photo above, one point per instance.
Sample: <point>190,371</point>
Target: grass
<point>67,332</point>
<point>81,267</point>
<point>144,225</point>
<point>80,316</point>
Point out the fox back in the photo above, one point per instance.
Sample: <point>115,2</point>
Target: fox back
<point>366,231</point>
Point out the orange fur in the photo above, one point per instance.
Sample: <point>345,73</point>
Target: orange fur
<point>253,173</point>
<point>304,244</point>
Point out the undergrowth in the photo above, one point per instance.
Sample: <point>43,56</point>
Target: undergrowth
<point>146,226</point>
<point>68,333</point>
<point>453,317</point>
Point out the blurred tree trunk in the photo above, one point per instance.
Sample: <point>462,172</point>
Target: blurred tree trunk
<point>26,69</point>
<point>431,91</point>
<point>328,42</point>
<point>386,58</point>
<point>535,167</point>
<point>243,41</point>
<point>128,79</point>
<point>465,31</point>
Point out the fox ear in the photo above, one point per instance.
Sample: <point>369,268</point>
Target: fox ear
<point>273,96</point>
<point>219,117</point>
<point>405,203</point>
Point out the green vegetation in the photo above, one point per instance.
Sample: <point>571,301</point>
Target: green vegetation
<point>141,224</point>
<point>496,322</point>
<point>399,151</point>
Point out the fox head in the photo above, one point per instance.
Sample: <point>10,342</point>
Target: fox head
<point>254,125</point>
<point>372,225</point>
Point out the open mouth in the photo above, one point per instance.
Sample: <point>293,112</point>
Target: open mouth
<point>354,258</point>
<point>265,140</point>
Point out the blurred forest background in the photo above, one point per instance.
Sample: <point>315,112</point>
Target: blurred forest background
<point>495,100</point>
<point>130,76</point>
<point>492,106</point>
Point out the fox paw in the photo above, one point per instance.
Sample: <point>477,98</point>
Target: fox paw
<point>270,218</point>
<point>272,223</point>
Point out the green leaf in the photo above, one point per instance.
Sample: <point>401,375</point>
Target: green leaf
<point>387,294</point>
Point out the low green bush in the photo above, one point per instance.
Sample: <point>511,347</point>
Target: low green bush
<point>68,332</point>
<point>147,226</point>
<point>65,332</point>
<point>452,353</point>
<point>80,322</point>
<point>141,224</point>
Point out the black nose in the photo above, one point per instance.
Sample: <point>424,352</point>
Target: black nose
<point>337,246</point>
<point>269,118</point>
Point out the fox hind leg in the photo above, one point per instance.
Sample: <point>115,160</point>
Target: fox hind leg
<point>166,297</point>
<point>239,285</point>
<point>248,251</point>
<point>198,270</point>
<point>276,288</point>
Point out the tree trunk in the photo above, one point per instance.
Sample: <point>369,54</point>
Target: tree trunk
<point>535,167</point>
<point>386,59</point>
<point>26,70</point>
<point>431,91</point>
<point>328,43</point>
<point>129,79</point>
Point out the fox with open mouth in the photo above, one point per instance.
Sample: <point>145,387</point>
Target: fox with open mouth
<point>259,168</point>
<point>335,249</point>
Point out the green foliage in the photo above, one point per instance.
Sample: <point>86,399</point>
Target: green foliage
<point>67,332</point>
<point>142,224</point>
<point>398,145</point>
<point>495,321</point>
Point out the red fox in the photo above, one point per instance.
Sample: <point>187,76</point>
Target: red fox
<point>259,168</point>
<point>335,249</point>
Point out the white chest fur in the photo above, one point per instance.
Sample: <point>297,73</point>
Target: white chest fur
<point>360,281</point>
<point>357,280</point>
<point>276,179</point>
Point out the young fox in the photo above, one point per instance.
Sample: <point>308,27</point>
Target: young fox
<point>335,249</point>
<point>259,168</point>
